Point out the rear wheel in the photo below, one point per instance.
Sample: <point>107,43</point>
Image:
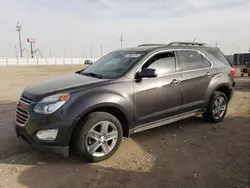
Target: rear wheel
<point>217,107</point>
<point>99,137</point>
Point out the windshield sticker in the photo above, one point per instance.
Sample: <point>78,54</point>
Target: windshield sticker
<point>132,55</point>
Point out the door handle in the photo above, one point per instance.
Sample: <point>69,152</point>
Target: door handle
<point>208,74</point>
<point>174,82</point>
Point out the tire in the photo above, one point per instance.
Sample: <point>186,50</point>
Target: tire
<point>241,75</point>
<point>92,135</point>
<point>209,114</point>
<point>248,74</point>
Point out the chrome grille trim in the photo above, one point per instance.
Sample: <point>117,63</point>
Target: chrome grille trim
<point>22,117</point>
<point>21,113</point>
<point>25,100</point>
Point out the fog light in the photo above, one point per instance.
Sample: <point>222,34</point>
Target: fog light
<point>49,134</point>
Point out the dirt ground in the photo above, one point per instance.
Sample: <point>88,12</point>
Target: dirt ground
<point>188,154</point>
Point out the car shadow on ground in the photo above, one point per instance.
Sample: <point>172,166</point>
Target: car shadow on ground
<point>189,153</point>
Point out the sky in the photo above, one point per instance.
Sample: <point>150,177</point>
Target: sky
<point>75,25</point>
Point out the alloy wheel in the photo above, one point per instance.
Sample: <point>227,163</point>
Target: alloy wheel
<point>219,107</point>
<point>101,138</point>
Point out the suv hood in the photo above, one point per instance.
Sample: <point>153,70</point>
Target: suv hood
<point>61,84</point>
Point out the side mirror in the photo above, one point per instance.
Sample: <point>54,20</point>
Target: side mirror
<point>146,73</point>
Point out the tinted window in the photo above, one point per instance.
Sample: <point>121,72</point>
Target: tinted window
<point>218,55</point>
<point>190,60</point>
<point>114,64</point>
<point>206,62</point>
<point>164,63</point>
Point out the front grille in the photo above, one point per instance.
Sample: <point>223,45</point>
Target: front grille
<point>22,116</point>
<point>26,100</point>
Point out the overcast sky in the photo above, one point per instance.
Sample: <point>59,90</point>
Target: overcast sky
<point>75,24</point>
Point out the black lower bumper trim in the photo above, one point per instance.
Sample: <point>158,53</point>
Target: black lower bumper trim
<point>63,151</point>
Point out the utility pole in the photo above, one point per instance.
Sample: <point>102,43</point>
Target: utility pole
<point>50,51</point>
<point>91,53</point>
<point>15,51</point>
<point>31,50</point>
<point>31,41</point>
<point>121,39</point>
<point>65,52</point>
<point>101,51</point>
<point>19,28</point>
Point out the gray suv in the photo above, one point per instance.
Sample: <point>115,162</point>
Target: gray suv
<point>124,92</point>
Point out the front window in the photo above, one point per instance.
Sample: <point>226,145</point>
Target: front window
<point>113,65</point>
<point>164,63</point>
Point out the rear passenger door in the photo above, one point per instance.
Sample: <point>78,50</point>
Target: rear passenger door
<point>196,74</point>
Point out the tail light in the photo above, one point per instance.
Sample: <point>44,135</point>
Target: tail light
<point>232,71</point>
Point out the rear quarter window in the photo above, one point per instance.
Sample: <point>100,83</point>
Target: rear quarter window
<point>190,60</point>
<point>219,55</point>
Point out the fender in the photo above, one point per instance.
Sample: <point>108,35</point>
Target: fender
<point>93,99</point>
<point>216,82</point>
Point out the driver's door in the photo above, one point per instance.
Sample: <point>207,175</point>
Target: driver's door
<point>160,97</point>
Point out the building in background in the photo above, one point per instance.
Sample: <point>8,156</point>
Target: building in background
<point>241,58</point>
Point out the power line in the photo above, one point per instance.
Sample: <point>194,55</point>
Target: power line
<point>19,28</point>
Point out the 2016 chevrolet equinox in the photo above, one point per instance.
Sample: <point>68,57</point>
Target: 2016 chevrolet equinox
<point>124,92</point>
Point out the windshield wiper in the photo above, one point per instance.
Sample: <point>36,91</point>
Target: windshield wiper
<point>92,74</point>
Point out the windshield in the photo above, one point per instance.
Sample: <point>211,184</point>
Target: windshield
<point>113,65</point>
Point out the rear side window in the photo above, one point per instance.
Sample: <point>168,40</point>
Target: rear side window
<point>218,55</point>
<point>164,63</point>
<point>190,60</point>
<point>207,63</point>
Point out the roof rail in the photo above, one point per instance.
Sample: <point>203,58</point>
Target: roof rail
<point>187,44</point>
<point>152,45</point>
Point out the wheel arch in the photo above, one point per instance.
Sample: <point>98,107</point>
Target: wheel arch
<point>113,109</point>
<point>224,88</point>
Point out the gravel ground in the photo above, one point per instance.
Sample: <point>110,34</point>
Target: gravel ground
<point>189,153</point>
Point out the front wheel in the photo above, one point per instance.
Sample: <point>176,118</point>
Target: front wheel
<point>217,107</point>
<point>99,137</point>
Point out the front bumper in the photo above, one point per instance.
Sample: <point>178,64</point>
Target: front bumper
<point>61,150</point>
<point>60,145</point>
<point>37,122</point>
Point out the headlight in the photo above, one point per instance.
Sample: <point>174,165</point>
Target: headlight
<point>50,104</point>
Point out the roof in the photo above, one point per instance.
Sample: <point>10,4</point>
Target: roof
<point>172,45</point>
